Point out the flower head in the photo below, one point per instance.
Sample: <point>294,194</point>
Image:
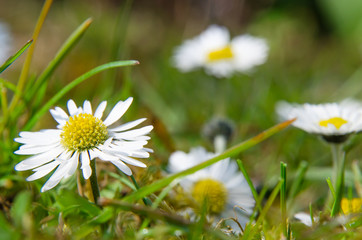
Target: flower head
<point>5,43</point>
<point>221,186</point>
<point>353,205</point>
<point>219,55</point>
<point>81,137</point>
<point>305,218</point>
<point>334,121</point>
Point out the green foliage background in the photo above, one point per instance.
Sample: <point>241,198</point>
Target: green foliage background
<point>315,56</point>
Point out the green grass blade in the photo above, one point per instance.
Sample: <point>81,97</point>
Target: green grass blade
<point>251,230</point>
<point>357,178</point>
<point>144,191</point>
<point>25,70</point>
<point>8,85</point>
<point>283,193</point>
<point>331,188</point>
<point>250,183</point>
<point>15,56</point>
<point>339,186</point>
<point>298,179</point>
<point>73,84</point>
<point>63,51</point>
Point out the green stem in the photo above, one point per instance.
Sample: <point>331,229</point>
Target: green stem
<point>146,200</point>
<point>250,183</point>
<point>336,150</point>
<point>283,190</point>
<point>339,185</point>
<point>94,182</point>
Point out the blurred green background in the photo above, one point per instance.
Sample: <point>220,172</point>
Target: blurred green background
<point>315,56</point>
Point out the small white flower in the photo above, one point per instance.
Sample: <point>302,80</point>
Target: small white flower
<point>305,218</point>
<point>81,137</point>
<point>5,43</point>
<point>221,184</point>
<point>219,55</point>
<point>334,121</point>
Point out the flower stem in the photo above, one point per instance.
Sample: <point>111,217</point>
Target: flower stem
<point>94,182</point>
<point>336,150</point>
<point>339,181</point>
<point>283,190</point>
<point>146,200</point>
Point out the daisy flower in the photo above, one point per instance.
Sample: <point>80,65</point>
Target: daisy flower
<point>305,218</point>
<point>333,121</point>
<point>5,43</point>
<point>80,138</point>
<point>219,55</point>
<point>221,186</point>
<point>353,205</point>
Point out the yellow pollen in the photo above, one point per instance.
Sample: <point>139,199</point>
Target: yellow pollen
<point>83,132</point>
<point>351,206</point>
<point>210,192</point>
<point>336,121</point>
<point>220,54</point>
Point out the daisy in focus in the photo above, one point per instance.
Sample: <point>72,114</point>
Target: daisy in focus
<point>81,137</point>
<point>221,186</point>
<point>333,121</point>
<point>220,56</point>
<point>5,43</point>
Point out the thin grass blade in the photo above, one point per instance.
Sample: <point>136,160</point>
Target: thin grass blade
<point>15,56</point>
<point>73,84</point>
<point>144,191</point>
<point>63,51</point>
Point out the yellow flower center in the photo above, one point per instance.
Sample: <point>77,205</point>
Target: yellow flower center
<point>220,54</point>
<point>83,132</point>
<point>210,192</point>
<point>336,121</point>
<point>351,206</point>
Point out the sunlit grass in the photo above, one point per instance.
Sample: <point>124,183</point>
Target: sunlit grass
<point>287,170</point>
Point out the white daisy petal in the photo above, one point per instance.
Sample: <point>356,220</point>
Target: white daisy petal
<point>57,176</point>
<point>100,109</point>
<point>59,115</point>
<point>63,149</point>
<point>123,167</point>
<point>334,121</point>
<point>118,111</point>
<point>72,107</point>
<point>132,161</point>
<point>225,184</point>
<point>43,170</point>
<point>87,107</point>
<point>131,145</point>
<point>134,133</point>
<point>25,150</point>
<point>47,133</point>
<point>218,55</point>
<point>39,159</point>
<point>73,166</point>
<point>41,138</point>
<point>128,125</point>
<point>84,158</point>
<point>106,157</point>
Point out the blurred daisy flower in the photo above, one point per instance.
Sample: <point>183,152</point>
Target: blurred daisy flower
<point>333,121</point>
<point>353,205</point>
<point>221,186</point>
<point>5,43</point>
<point>219,55</point>
<point>305,218</point>
<point>81,137</point>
